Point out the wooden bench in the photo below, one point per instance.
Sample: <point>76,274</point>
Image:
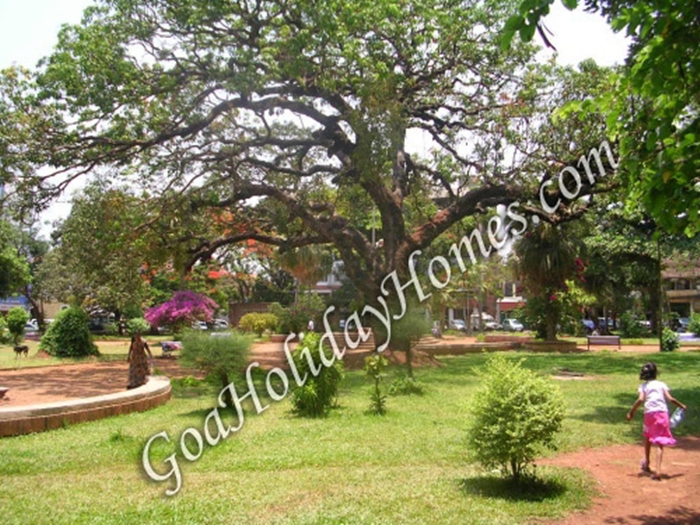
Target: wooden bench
<point>603,340</point>
<point>169,347</point>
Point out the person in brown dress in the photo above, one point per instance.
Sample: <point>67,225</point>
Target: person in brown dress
<point>138,362</point>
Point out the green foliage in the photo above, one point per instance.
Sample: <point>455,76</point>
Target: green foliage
<point>515,414</point>
<point>669,340</point>
<point>5,335</point>
<point>319,393</point>
<point>112,328</point>
<point>220,356</point>
<point>374,368</point>
<point>17,318</point>
<point>630,326</point>
<point>546,259</point>
<point>69,336</point>
<point>652,106</point>
<point>406,386</point>
<point>694,325</point>
<point>295,317</point>
<point>258,323</point>
<point>406,331</point>
<point>137,324</point>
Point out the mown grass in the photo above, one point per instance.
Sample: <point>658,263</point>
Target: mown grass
<point>408,467</point>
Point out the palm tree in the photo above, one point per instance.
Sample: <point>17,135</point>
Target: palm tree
<point>546,258</point>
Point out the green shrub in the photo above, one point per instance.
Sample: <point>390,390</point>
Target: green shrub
<point>112,328</point>
<point>630,326</point>
<point>220,357</point>
<point>694,325</point>
<point>406,386</point>
<point>17,318</point>
<point>138,324</point>
<point>669,340</point>
<point>258,323</point>
<point>69,336</point>
<point>5,335</point>
<point>319,393</point>
<point>295,318</point>
<point>374,368</point>
<point>515,414</point>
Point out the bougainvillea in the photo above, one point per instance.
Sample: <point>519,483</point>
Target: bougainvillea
<point>181,310</point>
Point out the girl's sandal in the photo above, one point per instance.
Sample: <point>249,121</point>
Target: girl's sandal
<point>644,466</point>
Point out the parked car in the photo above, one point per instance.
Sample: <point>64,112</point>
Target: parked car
<point>513,325</point>
<point>31,326</point>
<point>681,324</point>
<point>200,325</point>
<point>602,324</point>
<point>458,324</point>
<point>492,325</point>
<point>588,325</point>
<point>221,324</point>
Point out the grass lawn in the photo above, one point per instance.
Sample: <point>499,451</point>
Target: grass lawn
<point>110,349</point>
<point>408,467</point>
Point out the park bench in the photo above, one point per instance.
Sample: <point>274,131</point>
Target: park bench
<point>169,347</point>
<point>603,340</point>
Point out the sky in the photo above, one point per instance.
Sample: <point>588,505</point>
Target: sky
<point>29,28</point>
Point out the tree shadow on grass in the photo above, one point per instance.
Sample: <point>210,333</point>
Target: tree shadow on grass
<point>532,489</point>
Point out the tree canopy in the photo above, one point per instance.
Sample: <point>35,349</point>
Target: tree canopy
<point>653,109</point>
<point>371,127</point>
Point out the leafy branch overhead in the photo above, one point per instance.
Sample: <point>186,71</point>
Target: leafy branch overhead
<point>653,108</point>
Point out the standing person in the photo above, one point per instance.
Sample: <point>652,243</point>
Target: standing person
<point>657,430</point>
<point>138,362</point>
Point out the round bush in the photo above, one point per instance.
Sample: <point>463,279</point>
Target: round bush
<point>138,324</point>
<point>694,325</point>
<point>515,415</point>
<point>17,318</point>
<point>69,336</point>
<point>669,340</point>
<point>258,323</point>
<point>5,335</point>
<point>320,391</point>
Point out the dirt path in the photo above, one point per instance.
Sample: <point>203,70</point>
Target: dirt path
<point>631,497</point>
<point>628,497</point>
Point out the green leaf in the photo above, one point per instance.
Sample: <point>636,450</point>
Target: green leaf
<point>527,32</point>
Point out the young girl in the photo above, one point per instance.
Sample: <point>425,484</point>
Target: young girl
<point>657,430</point>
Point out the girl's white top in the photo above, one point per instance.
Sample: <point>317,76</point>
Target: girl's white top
<point>654,397</point>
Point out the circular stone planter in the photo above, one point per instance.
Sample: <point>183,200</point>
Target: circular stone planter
<point>551,346</point>
<point>48,416</point>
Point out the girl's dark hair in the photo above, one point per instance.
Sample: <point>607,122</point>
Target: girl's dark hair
<point>648,372</point>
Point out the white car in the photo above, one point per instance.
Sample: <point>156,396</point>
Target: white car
<point>513,325</point>
<point>221,324</point>
<point>492,325</point>
<point>458,324</point>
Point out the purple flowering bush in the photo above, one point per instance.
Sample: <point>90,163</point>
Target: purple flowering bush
<point>181,310</point>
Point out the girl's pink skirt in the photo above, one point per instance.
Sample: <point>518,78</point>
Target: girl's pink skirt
<point>657,429</point>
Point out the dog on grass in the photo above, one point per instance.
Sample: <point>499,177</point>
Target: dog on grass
<point>21,349</point>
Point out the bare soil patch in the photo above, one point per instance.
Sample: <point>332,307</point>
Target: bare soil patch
<point>630,497</point>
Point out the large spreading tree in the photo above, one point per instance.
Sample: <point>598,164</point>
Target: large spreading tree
<point>370,127</point>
